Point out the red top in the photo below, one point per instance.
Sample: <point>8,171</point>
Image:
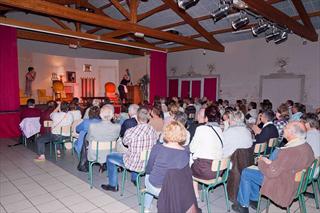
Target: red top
<point>29,113</point>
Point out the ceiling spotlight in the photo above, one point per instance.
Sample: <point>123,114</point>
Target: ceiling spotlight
<point>186,4</point>
<point>240,22</point>
<point>221,12</point>
<point>273,34</point>
<point>281,37</point>
<point>260,28</point>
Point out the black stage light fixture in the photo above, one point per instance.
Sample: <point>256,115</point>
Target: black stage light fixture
<point>240,22</point>
<point>273,34</point>
<point>186,4</point>
<point>281,37</point>
<point>221,12</point>
<point>260,28</point>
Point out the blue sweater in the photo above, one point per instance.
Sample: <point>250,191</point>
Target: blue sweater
<point>163,158</point>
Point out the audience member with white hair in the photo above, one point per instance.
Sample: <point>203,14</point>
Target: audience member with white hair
<point>131,121</point>
<point>104,130</point>
<point>237,136</point>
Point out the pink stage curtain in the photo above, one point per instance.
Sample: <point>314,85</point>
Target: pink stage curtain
<point>9,75</point>
<point>158,75</point>
<point>9,84</point>
<point>210,88</point>
<point>185,88</point>
<point>196,89</point>
<point>87,87</point>
<point>173,87</point>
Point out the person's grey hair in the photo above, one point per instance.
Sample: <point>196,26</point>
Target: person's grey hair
<point>237,117</point>
<point>107,112</point>
<point>132,110</point>
<point>181,117</point>
<point>312,119</point>
<point>143,115</point>
<point>297,130</point>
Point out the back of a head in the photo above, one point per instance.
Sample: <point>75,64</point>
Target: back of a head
<point>31,102</point>
<point>296,129</point>
<point>64,106</point>
<point>213,114</point>
<point>174,132</point>
<point>173,108</point>
<point>156,111</point>
<point>133,108</point>
<point>30,69</point>
<point>107,112</point>
<point>269,114</point>
<point>143,115</point>
<point>181,117</point>
<point>51,105</point>
<point>311,119</point>
<point>283,110</point>
<point>72,106</point>
<point>300,107</point>
<point>253,105</point>
<point>94,112</point>
<point>237,117</point>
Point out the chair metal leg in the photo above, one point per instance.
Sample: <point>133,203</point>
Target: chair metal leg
<point>138,182</point>
<point>314,189</point>
<point>207,199</point>
<point>268,205</point>
<point>124,177</point>
<point>226,197</point>
<point>259,202</point>
<point>288,209</point>
<point>142,202</point>
<point>55,151</point>
<point>202,192</point>
<point>50,152</point>
<point>91,174</point>
<point>301,204</point>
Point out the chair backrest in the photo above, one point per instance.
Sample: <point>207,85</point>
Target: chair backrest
<point>300,177</point>
<point>98,150</point>
<point>74,126</point>
<point>47,123</point>
<point>273,142</point>
<point>260,148</point>
<point>66,130</point>
<point>219,166</point>
<point>144,156</point>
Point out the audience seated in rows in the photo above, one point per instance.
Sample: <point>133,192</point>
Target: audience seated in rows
<point>102,131</point>
<point>169,155</point>
<point>206,146</point>
<point>60,118</point>
<point>138,139</point>
<point>237,136</point>
<point>276,175</point>
<point>83,127</point>
<point>131,121</point>
<point>156,120</point>
<point>269,130</point>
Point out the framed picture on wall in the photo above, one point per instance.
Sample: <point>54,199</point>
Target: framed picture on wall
<point>87,68</point>
<point>71,77</point>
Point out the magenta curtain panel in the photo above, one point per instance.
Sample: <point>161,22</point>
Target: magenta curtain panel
<point>210,88</point>
<point>185,89</point>
<point>158,75</point>
<point>173,87</point>
<point>196,89</point>
<point>9,74</point>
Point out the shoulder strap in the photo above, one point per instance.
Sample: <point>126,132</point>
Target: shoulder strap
<point>216,134</point>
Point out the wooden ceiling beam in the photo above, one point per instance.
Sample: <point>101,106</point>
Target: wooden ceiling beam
<point>99,20</point>
<point>133,11</point>
<point>120,8</point>
<point>94,30</point>
<point>60,23</point>
<point>194,24</point>
<point>303,14</point>
<point>275,15</point>
<point>37,36</point>
<point>73,34</point>
<point>152,12</point>
<point>225,30</point>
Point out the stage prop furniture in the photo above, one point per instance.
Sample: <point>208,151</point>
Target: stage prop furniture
<point>23,97</point>
<point>42,96</point>
<point>134,94</point>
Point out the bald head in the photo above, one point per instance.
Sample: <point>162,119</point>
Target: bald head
<point>294,130</point>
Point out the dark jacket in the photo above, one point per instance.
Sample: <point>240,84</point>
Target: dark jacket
<point>177,193</point>
<point>240,159</point>
<point>127,124</point>
<point>269,131</point>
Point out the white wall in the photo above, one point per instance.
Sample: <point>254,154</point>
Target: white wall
<point>102,70</point>
<point>138,67</point>
<point>243,62</point>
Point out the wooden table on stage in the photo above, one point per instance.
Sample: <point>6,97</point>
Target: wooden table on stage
<point>117,107</point>
<point>134,94</point>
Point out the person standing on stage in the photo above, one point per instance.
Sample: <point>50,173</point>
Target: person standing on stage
<point>122,88</point>
<point>30,76</point>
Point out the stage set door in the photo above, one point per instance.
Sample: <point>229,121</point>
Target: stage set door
<point>194,87</point>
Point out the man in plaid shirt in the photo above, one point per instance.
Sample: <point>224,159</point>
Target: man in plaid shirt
<point>138,138</point>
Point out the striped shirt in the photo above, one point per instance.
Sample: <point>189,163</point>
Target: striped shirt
<point>138,138</point>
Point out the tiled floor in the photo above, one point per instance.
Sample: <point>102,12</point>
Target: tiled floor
<point>57,186</point>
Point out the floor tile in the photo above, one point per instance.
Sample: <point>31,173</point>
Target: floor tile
<point>35,192</point>
<point>5,200</point>
<point>50,206</point>
<point>73,199</point>
<point>17,206</point>
<point>41,199</point>
<point>63,193</point>
<point>82,207</point>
